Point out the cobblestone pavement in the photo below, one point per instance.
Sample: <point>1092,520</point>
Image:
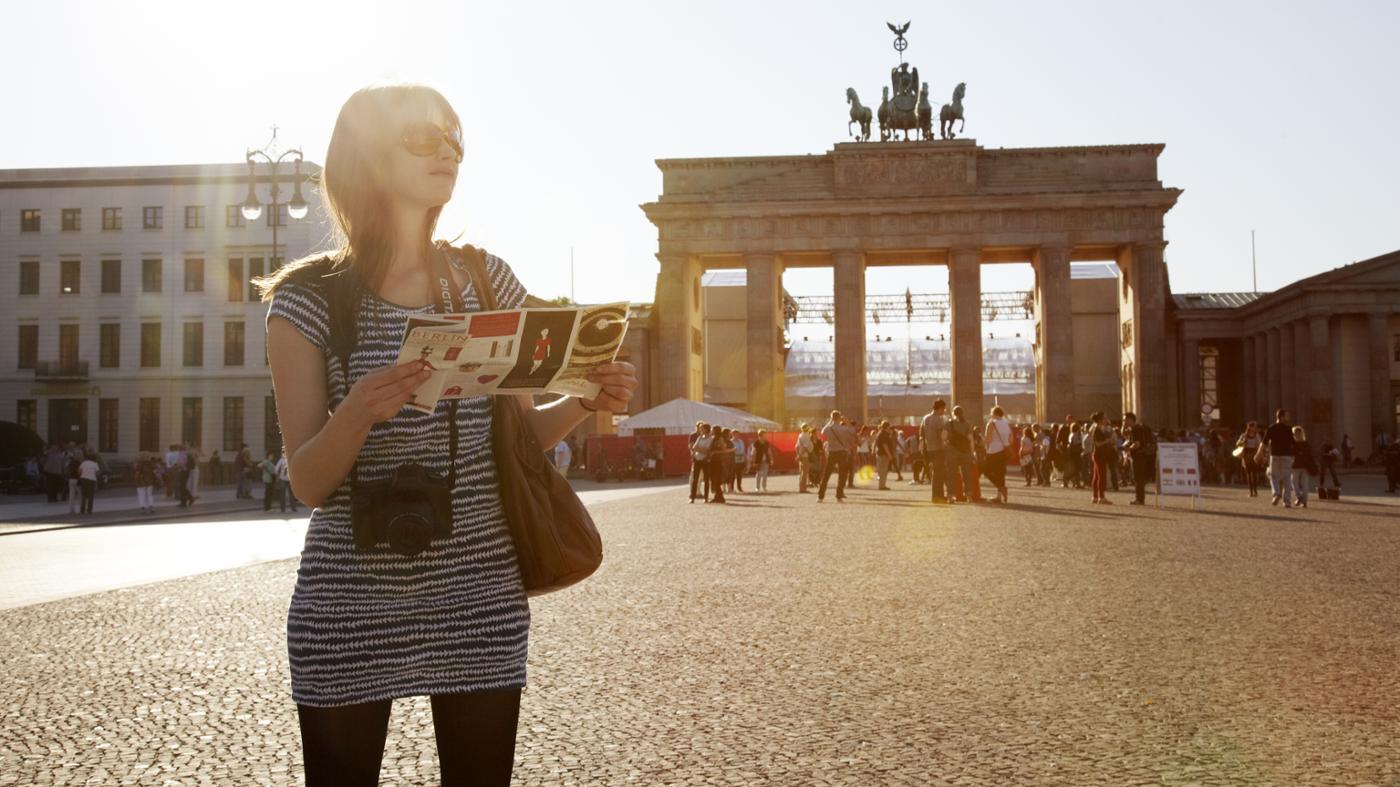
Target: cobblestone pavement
<point>777,641</point>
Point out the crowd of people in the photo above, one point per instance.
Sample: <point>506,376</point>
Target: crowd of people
<point>74,473</point>
<point>950,454</point>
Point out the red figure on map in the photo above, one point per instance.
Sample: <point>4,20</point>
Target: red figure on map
<point>541,350</point>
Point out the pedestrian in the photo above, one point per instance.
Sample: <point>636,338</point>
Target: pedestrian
<point>739,462</point>
<point>762,452</point>
<point>284,483</point>
<point>216,468</point>
<point>1327,463</point>
<point>243,467</point>
<point>721,464</point>
<point>1347,448</point>
<point>1074,452</point>
<point>1104,449</point>
<point>933,430</point>
<point>562,457</point>
<point>1304,466</point>
<point>900,443</point>
<point>174,457</point>
<point>268,466</point>
<point>75,475</point>
<point>1027,453</point>
<point>701,443</point>
<point>997,439</point>
<point>817,465</point>
<point>805,453</point>
<point>143,474</point>
<point>841,444</point>
<point>87,480</point>
<point>192,459</point>
<point>1247,451</point>
<point>885,452</point>
<point>1279,441</point>
<point>960,457</point>
<point>1142,451</point>
<point>1391,460</point>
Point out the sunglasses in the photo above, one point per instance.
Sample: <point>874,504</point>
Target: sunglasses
<point>423,139</point>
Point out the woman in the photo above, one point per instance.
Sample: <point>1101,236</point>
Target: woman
<point>1245,448</point>
<point>1027,458</point>
<point>367,625</point>
<point>998,441</point>
<point>1304,465</point>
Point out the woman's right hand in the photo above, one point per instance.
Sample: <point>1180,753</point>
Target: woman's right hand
<point>379,395</point>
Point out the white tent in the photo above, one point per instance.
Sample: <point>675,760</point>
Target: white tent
<point>678,416</point>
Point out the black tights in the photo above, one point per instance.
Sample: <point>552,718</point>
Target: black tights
<point>475,735</point>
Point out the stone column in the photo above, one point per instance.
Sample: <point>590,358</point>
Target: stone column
<point>1272,376</point>
<point>681,362</point>
<point>1052,279</point>
<point>849,290</point>
<point>965,300</point>
<point>1150,332</point>
<point>1248,394</point>
<point>1287,376</point>
<point>1191,382</point>
<point>1378,345</point>
<point>1322,415</point>
<point>763,291</point>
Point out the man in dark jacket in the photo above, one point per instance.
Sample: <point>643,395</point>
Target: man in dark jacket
<point>1142,449</point>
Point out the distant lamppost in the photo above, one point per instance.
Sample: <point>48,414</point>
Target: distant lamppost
<point>252,209</point>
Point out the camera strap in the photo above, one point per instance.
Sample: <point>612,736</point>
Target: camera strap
<point>447,299</point>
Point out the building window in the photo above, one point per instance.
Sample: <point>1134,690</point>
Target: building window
<point>29,220</point>
<point>68,345</point>
<point>152,218</point>
<point>107,419</point>
<point>272,435</point>
<point>150,275</point>
<point>29,277</point>
<point>150,345</point>
<point>233,216</point>
<point>110,348</point>
<point>1210,387</point>
<point>150,424</point>
<point>254,272</point>
<point>28,346</point>
<point>194,217</point>
<point>70,276</point>
<point>111,277</point>
<point>111,218</point>
<point>27,414</point>
<point>194,274</point>
<point>72,219</point>
<point>192,421</point>
<point>235,279</point>
<point>233,423</point>
<point>194,344</point>
<point>233,343</point>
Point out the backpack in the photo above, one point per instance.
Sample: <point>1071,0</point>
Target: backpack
<point>75,468</point>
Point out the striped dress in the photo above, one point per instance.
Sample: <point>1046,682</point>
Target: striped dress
<point>375,625</point>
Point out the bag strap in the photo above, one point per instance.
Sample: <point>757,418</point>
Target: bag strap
<point>481,282</point>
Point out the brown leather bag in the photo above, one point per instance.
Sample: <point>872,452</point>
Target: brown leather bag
<point>556,541</point>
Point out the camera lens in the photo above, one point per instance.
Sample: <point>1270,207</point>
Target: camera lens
<point>410,531</point>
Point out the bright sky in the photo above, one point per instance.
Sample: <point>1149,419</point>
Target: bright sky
<point>1279,117</point>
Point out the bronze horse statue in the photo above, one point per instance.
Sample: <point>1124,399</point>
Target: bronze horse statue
<point>951,112</point>
<point>859,114</point>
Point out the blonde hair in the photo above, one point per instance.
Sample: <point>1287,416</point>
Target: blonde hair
<point>1299,434</point>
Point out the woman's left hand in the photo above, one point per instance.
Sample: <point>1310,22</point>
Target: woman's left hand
<point>619,380</point>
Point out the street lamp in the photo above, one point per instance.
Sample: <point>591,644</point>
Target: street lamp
<point>296,208</point>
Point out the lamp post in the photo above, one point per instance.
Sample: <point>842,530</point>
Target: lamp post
<point>252,209</point>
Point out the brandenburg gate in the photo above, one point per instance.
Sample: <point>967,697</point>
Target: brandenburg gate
<point>910,199</point>
<point>945,202</point>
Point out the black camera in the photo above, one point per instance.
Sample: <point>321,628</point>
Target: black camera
<point>408,510</point>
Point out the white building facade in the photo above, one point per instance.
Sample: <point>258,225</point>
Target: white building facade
<point>127,317</point>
